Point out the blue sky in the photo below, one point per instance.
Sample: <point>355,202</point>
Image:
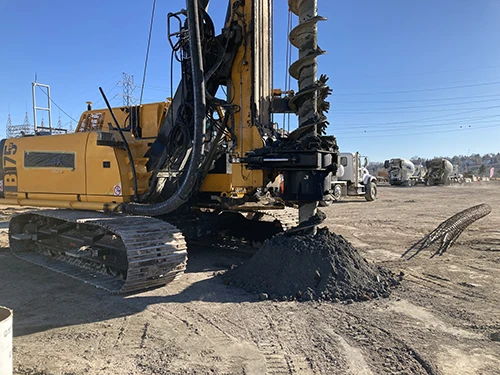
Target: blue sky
<point>409,77</point>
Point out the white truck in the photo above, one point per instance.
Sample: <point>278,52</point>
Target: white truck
<point>401,172</point>
<point>439,171</point>
<point>352,179</point>
<point>420,172</point>
<point>456,176</point>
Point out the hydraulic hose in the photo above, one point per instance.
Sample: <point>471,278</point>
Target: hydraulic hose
<point>125,142</point>
<point>181,196</point>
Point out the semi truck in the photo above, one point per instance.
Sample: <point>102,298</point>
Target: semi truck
<point>352,179</point>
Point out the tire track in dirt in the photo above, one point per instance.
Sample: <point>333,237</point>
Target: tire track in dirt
<point>278,361</point>
<point>300,356</point>
<point>356,362</point>
<point>445,286</point>
<point>302,348</point>
<point>273,330</point>
<point>121,331</point>
<point>216,346</point>
<point>387,352</point>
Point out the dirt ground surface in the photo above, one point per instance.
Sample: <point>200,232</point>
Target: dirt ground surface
<point>443,319</point>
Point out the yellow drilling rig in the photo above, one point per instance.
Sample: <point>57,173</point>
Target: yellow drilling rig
<point>125,189</point>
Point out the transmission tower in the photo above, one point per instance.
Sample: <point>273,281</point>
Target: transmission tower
<point>59,129</point>
<point>8,127</point>
<point>16,131</point>
<point>26,126</point>
<point>26,120</point>
<point>128,89</point>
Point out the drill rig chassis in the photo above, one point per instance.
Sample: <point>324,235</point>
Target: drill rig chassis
<point>190,159</point>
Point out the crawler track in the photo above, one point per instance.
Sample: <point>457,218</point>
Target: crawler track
<point>117,253</point>
<point>288,217</point>
<point>236,232</point>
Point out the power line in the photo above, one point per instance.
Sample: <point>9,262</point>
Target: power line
<point>424,133</point>
<point>416,106</point>
<point>107,93</point>
<point>395,129</point>
<point>417,100</point>
<point>422,90</point>
<point>476,119</point>
<point>427,118</point>
<point>430,73</point>
<point>102,85</point>
<point>53,102</point>
<point>382,112</point>
<point>157,88</point>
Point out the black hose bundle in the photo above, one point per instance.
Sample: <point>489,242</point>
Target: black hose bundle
<point>189,182</point>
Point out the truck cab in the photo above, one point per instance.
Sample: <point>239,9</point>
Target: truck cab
<point>352,179</point>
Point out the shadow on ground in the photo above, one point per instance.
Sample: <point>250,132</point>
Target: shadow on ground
<point>42,299</point>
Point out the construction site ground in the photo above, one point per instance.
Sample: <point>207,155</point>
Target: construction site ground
<point>443,319</point>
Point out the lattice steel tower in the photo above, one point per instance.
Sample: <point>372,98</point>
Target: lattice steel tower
<point>128,89</point>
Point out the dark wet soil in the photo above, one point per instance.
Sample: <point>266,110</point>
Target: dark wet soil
<point>323,266</point>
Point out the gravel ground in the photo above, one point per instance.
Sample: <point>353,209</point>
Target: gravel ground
<point>443,319</point>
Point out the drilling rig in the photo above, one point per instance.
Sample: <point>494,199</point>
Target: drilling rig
<point>123,186</point>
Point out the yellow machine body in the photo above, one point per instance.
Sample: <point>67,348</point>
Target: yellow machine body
<point>70,167</point>
<point>90,185</point>
<point>151,117</point>
<point>81,170</point>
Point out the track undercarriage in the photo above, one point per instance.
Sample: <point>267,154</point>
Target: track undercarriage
<point>122,253</point>
<point>116,253</point>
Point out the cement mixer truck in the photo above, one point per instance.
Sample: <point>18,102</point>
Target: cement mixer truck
<point>456,177</point>
<point>439,171</point>
<point>401,172</point>
<point>420,173</point>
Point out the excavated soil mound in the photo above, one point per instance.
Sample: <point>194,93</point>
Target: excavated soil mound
<point>323,266</point>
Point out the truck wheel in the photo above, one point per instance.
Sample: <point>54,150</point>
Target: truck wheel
<point>371,191</point>
<point>337,193</point>
<point>327,201</point>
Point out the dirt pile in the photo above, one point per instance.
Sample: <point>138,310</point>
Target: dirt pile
<point>323,266</point>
